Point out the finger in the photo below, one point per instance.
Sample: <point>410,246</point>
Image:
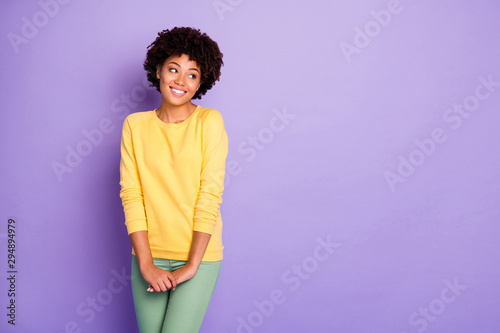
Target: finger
<point>167,284</point>
<point>163,287</point>
<point>168,279</point>
<point>174,281</point>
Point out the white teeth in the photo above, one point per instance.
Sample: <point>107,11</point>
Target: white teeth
<point>177,91</point>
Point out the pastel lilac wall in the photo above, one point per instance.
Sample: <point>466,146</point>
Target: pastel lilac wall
<point>363,169</point>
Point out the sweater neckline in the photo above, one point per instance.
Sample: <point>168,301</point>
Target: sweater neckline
<point>174,125</point>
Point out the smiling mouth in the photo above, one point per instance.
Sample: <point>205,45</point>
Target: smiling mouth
<point>178,92</point>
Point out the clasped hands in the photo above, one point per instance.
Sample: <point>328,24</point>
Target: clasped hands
<point>162,280</point>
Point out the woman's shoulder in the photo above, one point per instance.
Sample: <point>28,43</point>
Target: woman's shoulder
<point>209,114</point>
<point>137,117</point>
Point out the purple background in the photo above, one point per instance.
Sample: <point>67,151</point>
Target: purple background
<point>399,248</point>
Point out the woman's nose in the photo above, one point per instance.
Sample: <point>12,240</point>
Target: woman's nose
<point>178,80</point>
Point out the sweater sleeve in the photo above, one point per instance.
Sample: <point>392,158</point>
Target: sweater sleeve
<point>131,190</point>
<point>215,149</point>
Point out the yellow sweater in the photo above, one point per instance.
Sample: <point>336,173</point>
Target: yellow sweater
<point>172,179</point>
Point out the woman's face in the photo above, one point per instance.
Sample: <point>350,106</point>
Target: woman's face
<point>179,79</point>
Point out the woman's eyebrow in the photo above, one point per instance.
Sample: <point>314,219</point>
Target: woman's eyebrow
<point>173,62</point>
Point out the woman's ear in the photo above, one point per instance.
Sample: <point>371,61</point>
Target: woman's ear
<point>158,70</point>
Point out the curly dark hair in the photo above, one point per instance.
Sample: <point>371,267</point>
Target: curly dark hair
<point>190,41</point>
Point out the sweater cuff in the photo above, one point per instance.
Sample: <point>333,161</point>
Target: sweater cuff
<point>204,227</point>
<point>136,225</point>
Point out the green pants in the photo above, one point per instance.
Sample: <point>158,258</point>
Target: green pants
<point>175,311</point>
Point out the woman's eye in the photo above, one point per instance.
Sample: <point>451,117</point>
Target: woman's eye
<point>193,76</point>
<point>173,70</point>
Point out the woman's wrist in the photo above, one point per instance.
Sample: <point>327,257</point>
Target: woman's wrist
<point>146,266</point>
<point>192,266</point>
<point>198,247</point>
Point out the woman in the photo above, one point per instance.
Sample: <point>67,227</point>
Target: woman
<point>172,177</point>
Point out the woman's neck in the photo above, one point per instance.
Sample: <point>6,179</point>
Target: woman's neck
<point>175,113</point>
